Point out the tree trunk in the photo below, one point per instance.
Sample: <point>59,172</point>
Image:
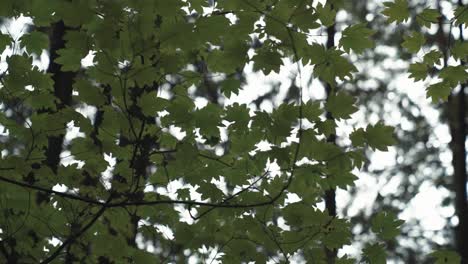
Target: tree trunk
<point>457,124</point>
<point>63,82</point>
<point>330,201</point>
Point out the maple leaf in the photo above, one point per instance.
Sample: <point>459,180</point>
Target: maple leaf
<point>380,136</point>
<point>341,105</point>
<point>396,11</point>
<point>35,42</point>
<point>357,38</point>
<point>418,71</point>
<point>428,17</point>
<point>414,42</point>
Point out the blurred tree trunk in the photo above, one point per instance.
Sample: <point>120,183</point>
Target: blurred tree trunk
<point>330,195</point>
<point>457,126</point>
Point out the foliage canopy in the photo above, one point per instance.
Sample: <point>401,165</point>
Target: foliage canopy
<point>140,110</point>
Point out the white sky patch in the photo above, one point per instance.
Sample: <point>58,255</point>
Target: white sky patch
<point>259,84</point>
<point>391,186</point>
<point>60,188</point>
<point>292,198</point>
<point>73,132</point>
<point>442,135</point>
<point>383,159</point>
<point>107,174</point>
<point>66,158</point>
<point>368,188</point>
<point>426,206</point>
<point>88,60</point>
<point>165,231</point>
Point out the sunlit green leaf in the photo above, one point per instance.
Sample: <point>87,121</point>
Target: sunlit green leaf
<point>414,42</point>
<point>357,38</point>
<point>428,17</point>
<point>386,225</point>
<point>445,257</point>
<point>396,11</point>
<point>375,254</point>
<point>341,105</point>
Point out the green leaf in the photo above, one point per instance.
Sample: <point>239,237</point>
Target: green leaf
<point>380,136</point>
<point>312,110</point>
<point>323,151</point>
<point>150,103</point>
<point>143,74</point>
<point>6,8</point>
<point>439,91</point>
<point>41,100</point>
<point>418,71</point>
<point>454,74</point>
<point>428,17</point>
<point>111,121</point>
<point>70,59</point>
<point>283,118</point>
<point>304,18</point>
<point>460,50</point>
<point>327,127</point>
<point>144,257</point>
<point>386,225</point>
<point>337,234</point>
<point>298,214</point>
<point>375,254</point>
<point>326,14</point>
<point>180,111</point>
<point>267,61</point>
<point>345,260</point>
<point>414,42</point>
<point>198,5</point>
<point>208,119</point>
<point>88,92</point>
<point>358,137</point>
<point>396,11</point>
<point>317,53</point>
<point>461,15</point>
<point>183,193</point>
<point>341,105</point>
<point>332,65</point>
<point>230,86</point>
<point>44,12</point>
<point>5,40</point>
<point>239,114</point>
<point>210,191</point>
<point>357,38</point>
<point>75,13</point>
<point>433,58</point>
<point>445,257</point>
<point>78,41</point>
<point>35,42</point>
<point>358,158</point>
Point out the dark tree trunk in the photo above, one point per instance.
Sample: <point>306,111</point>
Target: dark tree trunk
<point>457,124</point>
<point>330,201</point>
<point>63,82</point>
<point>458,132</point>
